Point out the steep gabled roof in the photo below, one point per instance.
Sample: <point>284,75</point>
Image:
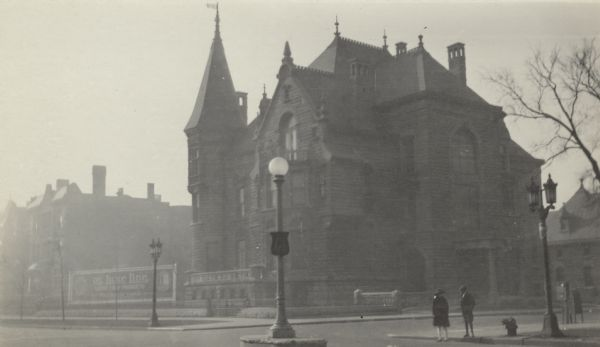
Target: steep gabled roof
<point>216,103</point>
<point>582,211</point>
<point>417,71</point>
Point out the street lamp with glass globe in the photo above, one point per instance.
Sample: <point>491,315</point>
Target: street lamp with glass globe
<point>536,203</point>
<point>278,167</point>
<point>155,250</point>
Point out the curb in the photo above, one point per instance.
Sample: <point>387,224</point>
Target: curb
<point>334,321</point>
<point>532,341</point>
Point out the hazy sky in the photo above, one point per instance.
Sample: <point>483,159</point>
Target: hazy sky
<point>113,82</point>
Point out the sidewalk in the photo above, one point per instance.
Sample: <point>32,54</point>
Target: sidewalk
<point>576,335</point>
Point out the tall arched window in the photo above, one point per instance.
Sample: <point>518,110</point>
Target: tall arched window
<point>463,160</point>
<point>290,138</point>
<point>464,156</point>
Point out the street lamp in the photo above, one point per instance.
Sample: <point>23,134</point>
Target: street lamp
<point>156,248</point>
<point>550,327</point>
<point>62,279</point>
<point>278,167</point>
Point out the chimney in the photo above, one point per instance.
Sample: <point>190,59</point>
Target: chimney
<point>61,183</point>
<point>99,180</point>
<point>400,48</point>
<point>150,190</point>
<point>120,192</point>
<point>243,105</point>
<point>456,61</point>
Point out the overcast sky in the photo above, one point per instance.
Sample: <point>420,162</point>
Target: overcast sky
<point>113,82</point>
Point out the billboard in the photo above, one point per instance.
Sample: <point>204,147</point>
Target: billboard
<point>125,285</point>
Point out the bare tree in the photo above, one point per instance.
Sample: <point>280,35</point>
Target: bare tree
<point>563,90</point>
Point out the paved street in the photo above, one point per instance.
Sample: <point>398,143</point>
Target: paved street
<point>368,333</point>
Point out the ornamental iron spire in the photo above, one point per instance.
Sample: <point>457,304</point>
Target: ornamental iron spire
<point>215,6</point>
<point>337,24</point>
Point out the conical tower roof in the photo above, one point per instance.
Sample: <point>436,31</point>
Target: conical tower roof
<point>216,103</point>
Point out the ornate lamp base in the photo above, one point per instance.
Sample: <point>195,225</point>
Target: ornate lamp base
<point>281,331</point>
<point>550,328</point>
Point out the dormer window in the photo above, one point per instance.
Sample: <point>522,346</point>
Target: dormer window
<point>358,69</point>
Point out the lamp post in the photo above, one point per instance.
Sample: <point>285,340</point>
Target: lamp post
<point>156,248</point>
<point>536,203</point>
<point>278,167</point>
<point>62,280</point>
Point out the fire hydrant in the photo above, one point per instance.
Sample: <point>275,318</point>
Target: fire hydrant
<point>511,326</point>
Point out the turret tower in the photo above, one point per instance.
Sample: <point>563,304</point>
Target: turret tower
<point>216,120</point>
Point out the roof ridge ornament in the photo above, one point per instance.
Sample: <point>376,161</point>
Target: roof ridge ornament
<point>421,40</point>
<point>337,24</point>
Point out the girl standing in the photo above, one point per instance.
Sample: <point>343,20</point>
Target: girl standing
<point>440,314</point>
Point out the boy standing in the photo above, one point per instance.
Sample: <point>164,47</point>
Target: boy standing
<point>467,303</point>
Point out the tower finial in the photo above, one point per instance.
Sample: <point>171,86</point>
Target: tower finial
<point>385,45</point>
<point>264,91</point>
<point>420,40</point>
<point>287,54</point>
<point>217,22</point>
<point>337,24</point>
<point>215,6</point>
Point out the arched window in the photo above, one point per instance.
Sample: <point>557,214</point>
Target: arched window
<point>290,138</point>
<point>463,155</point>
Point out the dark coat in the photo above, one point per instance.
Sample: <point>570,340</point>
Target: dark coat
<point>467,302</point>
<point>440,311</point>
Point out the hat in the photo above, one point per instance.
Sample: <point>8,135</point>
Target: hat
<point>439,291</point>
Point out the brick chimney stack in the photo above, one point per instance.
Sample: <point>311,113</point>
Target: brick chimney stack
<point>400,48</point>
<point>243,104</point>
<point>456,61</point>
<point>61,183</point>
<point>99,180</point>
<point>150,190</point>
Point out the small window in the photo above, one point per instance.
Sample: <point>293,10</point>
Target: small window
<point>291,139</point>
<point>242,202</point>
<point>464,159</point>
<point>322,185</point>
